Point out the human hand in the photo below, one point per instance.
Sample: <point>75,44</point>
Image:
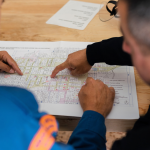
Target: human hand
<point>96,96</point>
<point>8,64</point>
<point>76,62</point>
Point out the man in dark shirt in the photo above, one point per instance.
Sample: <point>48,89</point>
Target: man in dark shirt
<point>131,49</point>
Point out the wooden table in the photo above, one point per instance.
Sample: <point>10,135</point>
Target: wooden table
<point>25,20</point>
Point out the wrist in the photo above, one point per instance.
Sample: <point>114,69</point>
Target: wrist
<point>89,56</point>
<point>94,122</point>
<point>95,110</point>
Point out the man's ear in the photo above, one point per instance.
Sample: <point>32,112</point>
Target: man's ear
<point>126,47</point>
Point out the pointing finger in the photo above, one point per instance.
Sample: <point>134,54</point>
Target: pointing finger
<point>6,68</point>
<point>16,68</point>
<point>59,68</point>
<point>11,62</point>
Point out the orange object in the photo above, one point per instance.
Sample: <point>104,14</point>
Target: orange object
<point>43,139</point>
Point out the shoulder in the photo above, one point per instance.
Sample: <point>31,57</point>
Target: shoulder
<point>18,95</point>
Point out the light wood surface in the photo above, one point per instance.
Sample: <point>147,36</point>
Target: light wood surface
<point>25,20</point>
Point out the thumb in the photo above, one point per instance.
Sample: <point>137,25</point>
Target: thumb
<point>6,67</point>
<point>74,72</point>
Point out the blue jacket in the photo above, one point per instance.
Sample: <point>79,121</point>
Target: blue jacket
<point>22,127</point>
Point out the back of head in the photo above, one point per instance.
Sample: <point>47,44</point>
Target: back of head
<point>139,20</point>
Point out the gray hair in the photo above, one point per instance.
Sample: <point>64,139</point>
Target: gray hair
<point>139,20</point>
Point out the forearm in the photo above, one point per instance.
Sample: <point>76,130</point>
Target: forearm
<point>108,51</point>
<point>90,132</point>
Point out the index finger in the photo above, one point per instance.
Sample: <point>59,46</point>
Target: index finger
<point>59,68</point>
<point>11,62</point>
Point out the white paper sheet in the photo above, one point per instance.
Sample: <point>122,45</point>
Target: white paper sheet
<point>59,96</point>
<point>75,14</point>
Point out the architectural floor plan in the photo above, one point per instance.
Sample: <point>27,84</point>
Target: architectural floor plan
<point>38,60</point>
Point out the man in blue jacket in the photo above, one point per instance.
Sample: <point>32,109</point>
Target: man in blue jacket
<point>23,127</point>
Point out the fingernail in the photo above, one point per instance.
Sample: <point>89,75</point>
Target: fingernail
<point>11,71</point>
